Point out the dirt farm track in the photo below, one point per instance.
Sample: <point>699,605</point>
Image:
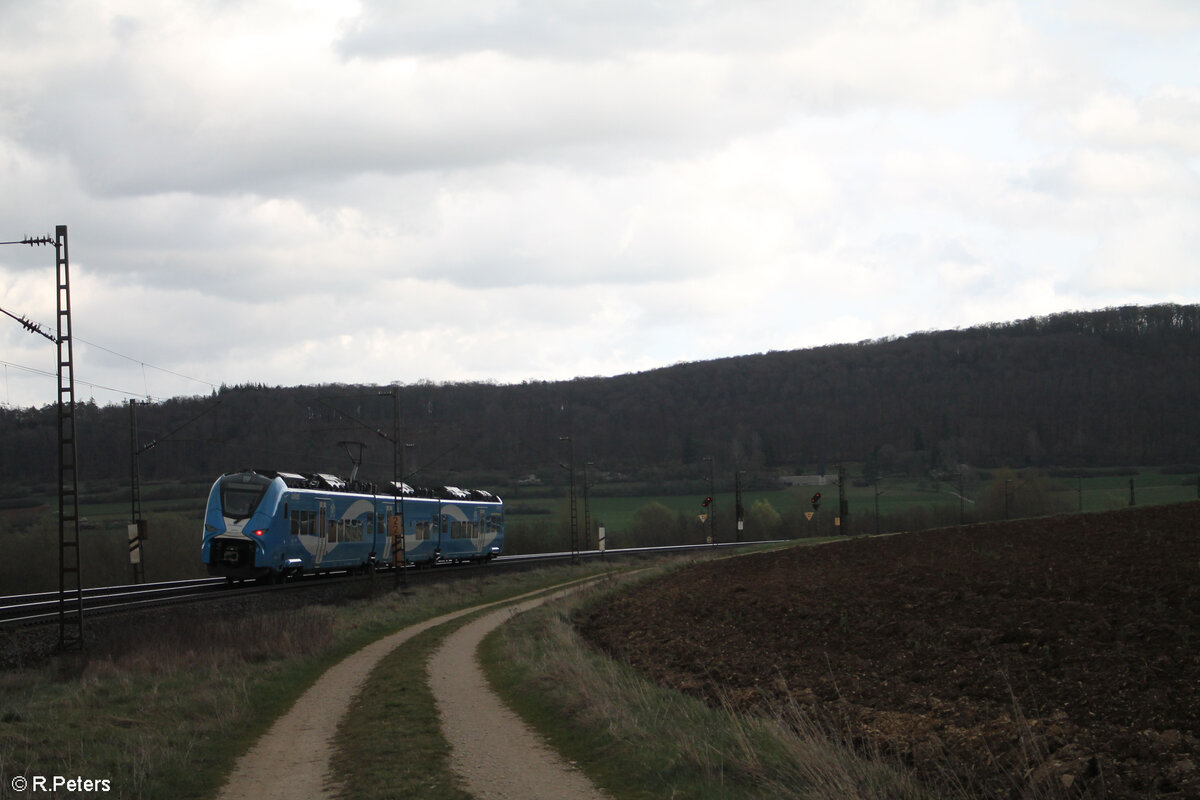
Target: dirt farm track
<point>1055,657</point>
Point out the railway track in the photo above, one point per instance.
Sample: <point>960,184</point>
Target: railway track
<point>40,607</point>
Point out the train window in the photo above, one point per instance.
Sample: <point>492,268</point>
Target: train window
<point>241,494</point>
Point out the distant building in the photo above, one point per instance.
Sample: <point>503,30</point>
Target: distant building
<point>807,480</point>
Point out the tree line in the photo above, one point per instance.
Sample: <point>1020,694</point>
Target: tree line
<point>1081,389</point>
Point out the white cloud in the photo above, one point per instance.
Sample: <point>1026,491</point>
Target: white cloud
<point>1153,255</point>
<point>934,55</point>
<point>1168,119</point>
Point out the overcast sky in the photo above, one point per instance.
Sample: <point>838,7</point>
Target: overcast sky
<point>367,192</point>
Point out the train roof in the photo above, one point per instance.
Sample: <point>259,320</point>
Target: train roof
<point>324,481</point>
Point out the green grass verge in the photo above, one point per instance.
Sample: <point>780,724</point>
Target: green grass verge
<point>149,722</point>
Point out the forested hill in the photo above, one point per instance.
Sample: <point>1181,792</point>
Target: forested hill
<point>1119,386</point>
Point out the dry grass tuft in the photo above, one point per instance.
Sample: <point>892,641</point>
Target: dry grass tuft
<point>186,640</point>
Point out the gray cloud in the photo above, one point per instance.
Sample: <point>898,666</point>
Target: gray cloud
<point>264,191</point>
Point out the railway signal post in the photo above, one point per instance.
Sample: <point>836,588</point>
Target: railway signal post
<point>136,523</point>
<point>574,511</point>
<point>710,503</point>
<point>138,527</point>
<point>843,503</point>
<point>738,511</point>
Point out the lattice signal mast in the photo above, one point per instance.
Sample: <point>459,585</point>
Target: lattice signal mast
<point>70,584</point>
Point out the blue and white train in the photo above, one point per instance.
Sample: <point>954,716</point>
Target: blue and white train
<point>263,524</point>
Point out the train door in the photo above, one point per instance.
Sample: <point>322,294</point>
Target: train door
<point>477,526</point>
<point>442,524</point>
<point>387,514</point>
<point>322,532</point>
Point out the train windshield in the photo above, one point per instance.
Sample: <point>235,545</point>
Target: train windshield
<point>240,494</point>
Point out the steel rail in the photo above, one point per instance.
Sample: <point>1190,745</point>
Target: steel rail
<point>43,606</point>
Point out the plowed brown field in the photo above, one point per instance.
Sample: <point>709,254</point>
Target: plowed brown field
<point>1049,657</point>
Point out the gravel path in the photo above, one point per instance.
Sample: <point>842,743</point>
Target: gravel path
<point>291,760</point>
<point>491,748</point>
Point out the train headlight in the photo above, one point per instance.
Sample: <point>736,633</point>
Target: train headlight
<point>259,532</point>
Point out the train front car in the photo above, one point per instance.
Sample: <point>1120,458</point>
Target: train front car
<point>242,529</point>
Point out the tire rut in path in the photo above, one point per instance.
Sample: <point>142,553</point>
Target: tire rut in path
<point>291,761</point>
<point>492,750</point>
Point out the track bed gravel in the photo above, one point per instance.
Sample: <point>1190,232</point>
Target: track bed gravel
<point>1052,657</point>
